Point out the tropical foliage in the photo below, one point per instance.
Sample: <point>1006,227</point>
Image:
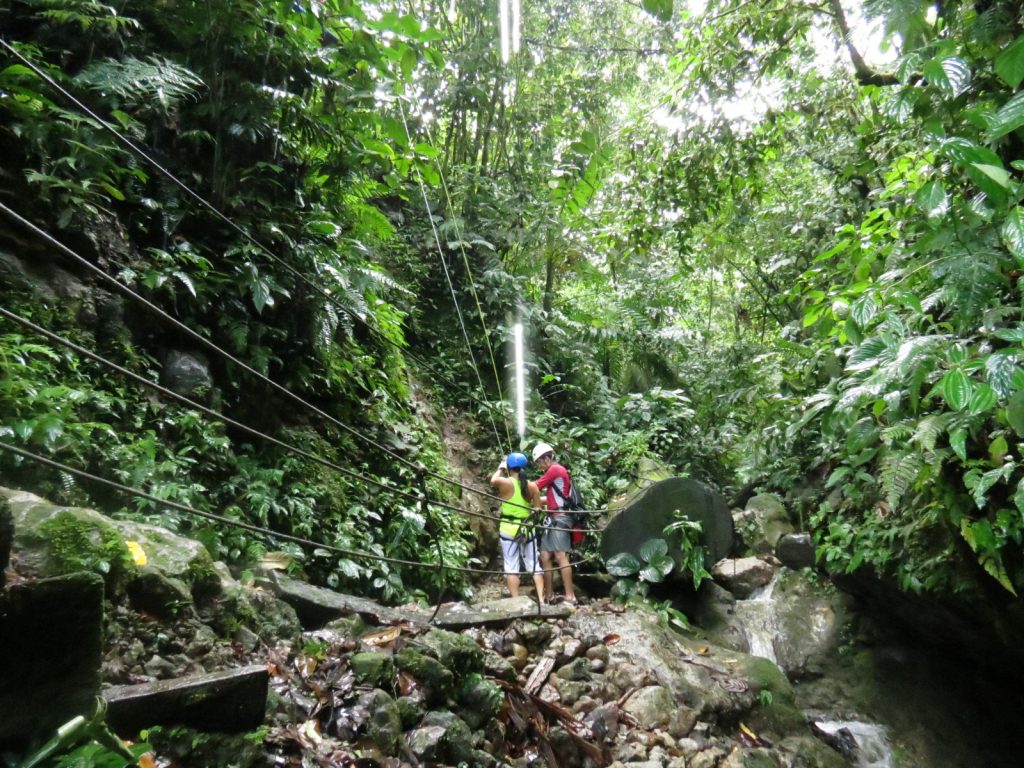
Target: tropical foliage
<point>754,241</point>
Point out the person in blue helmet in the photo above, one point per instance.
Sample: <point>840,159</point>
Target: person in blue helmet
<point>518,541</point>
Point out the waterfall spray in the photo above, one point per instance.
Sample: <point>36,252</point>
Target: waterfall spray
<point>517,343</point>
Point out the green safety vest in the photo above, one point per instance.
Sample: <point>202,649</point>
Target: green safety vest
<point>513,516</point>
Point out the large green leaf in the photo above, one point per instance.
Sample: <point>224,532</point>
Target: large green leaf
<point>1015,413</point>
<point>951,75</point>
<point>1009,118</point>
<point>657,569</point>
<point>1013,232</point>
<point>653,548</point>
<point>957,389</point>
<point>623,564</point>
<point>1010,63</point>
<point>661,9</point>
<point>932,199</point>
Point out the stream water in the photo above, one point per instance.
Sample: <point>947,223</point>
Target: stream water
<point>871,740</point>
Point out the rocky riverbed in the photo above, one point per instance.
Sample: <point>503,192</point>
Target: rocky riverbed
<point>776,671</point>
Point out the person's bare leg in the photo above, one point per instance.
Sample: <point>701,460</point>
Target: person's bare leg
<point>538,583</point>
<point>513,585</point>
<point>545,564</point>
<point>566,570</point>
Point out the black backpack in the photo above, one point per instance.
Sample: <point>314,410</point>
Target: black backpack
<point>573,505</point>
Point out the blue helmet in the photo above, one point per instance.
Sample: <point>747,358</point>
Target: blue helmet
<point>516,461</point>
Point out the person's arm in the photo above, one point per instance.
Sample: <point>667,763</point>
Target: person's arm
<point>500,481</point>
<point>536,498</point>
<point>547,478</point>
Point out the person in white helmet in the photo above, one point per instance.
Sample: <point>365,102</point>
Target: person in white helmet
<point>556,540</point>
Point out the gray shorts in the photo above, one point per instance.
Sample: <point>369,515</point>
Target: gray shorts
<point>557,540</point>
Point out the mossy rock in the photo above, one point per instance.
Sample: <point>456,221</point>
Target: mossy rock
<point>411,710</point>
<point>481,700</point>
<point>52,540</point>
<point>775,707</point>
<point>349,627</point>
<point>384,721</point>
<point>427,670</point>
<point>55,541</point>
<point>372,668</point>
<point>457,652</point>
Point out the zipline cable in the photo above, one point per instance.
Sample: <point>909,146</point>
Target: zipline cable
<point>241,524</point>
<point>206,343</point>
<point>469,274</point>
<point>451,285</point>
<point>408,495</point>
<point>240,230</point>
<point>172,177</point>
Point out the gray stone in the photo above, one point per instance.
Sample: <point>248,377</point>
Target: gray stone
<point>499,667</point>
<point>457,740</point>
<point>159,667</point>
<point>656,506</point>
<point>427,670</point>
<point>156,593</point>
<point>744,575</point>
<point>564,746</point>
<point>577,669</point>
<point>763,522</point>
<point>187,373</point>
<point>384,720</point>
<point>51,644</point>
<point>631,752</point>
<point>426,742</point>
<point>796,550</point>
<point>751,758</point>
<point>231,700</point>
<point>604,722</point>
<point>681,722</point>
<point>202,642</point>
<point>569,691</point>
<point>809,752</point>
<point>706,758</point>
<point>651,706</point>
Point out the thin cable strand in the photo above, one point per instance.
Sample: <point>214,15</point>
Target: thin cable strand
<point>249,526</point>
<point>451,286</point>
<point>240,230</point>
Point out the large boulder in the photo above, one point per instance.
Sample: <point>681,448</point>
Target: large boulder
<point>663,503</point>
<point>743,576</point>
<point>52,540</point>
<point>188,374</point>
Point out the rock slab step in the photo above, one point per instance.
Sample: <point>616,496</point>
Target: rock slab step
<point>229,701</point>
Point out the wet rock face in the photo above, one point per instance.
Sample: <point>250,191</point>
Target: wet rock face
<point>762,523</point>
<point>188,374</point>
<point>796,550</point>
<point>744,575</point>
<point>51,646</point>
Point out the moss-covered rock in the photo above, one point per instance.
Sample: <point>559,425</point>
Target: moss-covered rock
<point>481,700</point>
<point>458,653</point>
<point>372,668</point>
<point>54,541</point>
<point>410,710</point>
<point>383,721</point>
<point>775,709</point>
<point>426,669</point>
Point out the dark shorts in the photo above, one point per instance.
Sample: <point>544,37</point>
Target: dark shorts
<point>557,540</point>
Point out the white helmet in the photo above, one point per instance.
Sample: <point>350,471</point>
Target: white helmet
<point>540,449</point>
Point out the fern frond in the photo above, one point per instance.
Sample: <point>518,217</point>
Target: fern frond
<point>929,429</point>
<point>139,83</point>
<point>898,473</point>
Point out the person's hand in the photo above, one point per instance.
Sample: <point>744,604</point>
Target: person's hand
<point>503,465</point>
